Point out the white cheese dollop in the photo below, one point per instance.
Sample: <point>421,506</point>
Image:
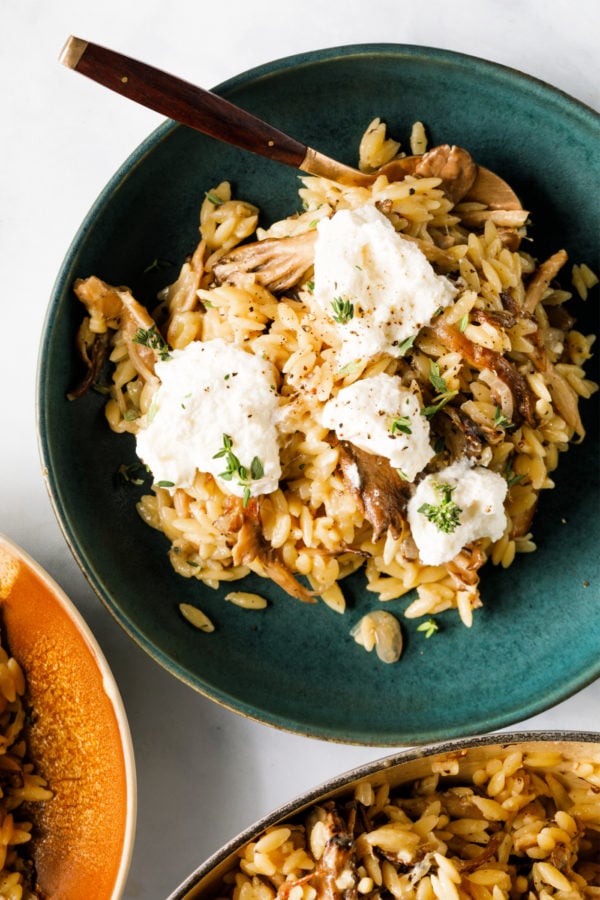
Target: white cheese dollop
<point>208,390</point>
<point>364,413</point>
<point>479,493</point>
<point>393,289</point>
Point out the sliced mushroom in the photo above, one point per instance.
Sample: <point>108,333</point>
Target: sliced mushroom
<point>542,279</point>
<point>109,309</point>
<point>483,358</point>
<point>453,165</point>
<point>335,875</point>
<point>278,264</point>
<point>253,550</point>
<point>382,493</point>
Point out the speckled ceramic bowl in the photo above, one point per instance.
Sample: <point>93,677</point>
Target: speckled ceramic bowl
<point>78,739</point>
<point>461,758</point>
<point>295,665</point>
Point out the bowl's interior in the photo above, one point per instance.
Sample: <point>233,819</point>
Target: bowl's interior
<point>296,666</point>
<point>78,738</point>
<point>463,758</point>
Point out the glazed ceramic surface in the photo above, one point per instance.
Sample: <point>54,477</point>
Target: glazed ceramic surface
<point>79,739</point>
<point>296,666</point>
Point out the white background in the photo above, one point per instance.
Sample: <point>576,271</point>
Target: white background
<point>204,772</point>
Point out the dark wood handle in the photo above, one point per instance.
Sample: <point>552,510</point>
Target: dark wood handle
<point>182,101</point>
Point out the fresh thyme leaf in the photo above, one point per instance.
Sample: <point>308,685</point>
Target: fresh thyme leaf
<point>343,310</point>
<point>463,322</point>
<point>235,469</point>
<point>508,474</point>
<point>429,627</point>
<point>446,515</point>
<point>349,369</point>
<point>310,286</point>
<point>401,425</point>
<point>165,484</point>
<point>152,338</point>
<point>501,421</point>
<point>436,379</point>
<point>443,394</point>
<point>404,346</point>
<point>214,198</point>
<point>256,469</point>
<point>440,402</point>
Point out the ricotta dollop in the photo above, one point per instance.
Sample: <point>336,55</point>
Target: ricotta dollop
<point>360,259</point>
<point>380,416</point>
<point>477,491</point>
<point>210,390</point>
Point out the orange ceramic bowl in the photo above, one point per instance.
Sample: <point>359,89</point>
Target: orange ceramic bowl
<point>78,739</point>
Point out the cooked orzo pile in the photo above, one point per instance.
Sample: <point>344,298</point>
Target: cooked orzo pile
<point>385,380</point>
<point>525,824</point>
<point>20,787</point>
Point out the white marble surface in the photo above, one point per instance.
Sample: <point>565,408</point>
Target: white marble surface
<point>204,772</point>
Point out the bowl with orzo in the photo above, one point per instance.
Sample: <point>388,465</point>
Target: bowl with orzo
<point>328,453</point>
<point>502,816</point>
<point>67,771</point>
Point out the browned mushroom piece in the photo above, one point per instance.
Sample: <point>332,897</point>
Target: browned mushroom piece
<point>253,550</point>
<point>109,309</point>
<point>483,358</point>
<point>453,165</point>
<point>336,876</point>
<point>277,263</point>
<point>379,488</point>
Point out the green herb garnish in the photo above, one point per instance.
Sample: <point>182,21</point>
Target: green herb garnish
<point>349,369</point>
<point>436,379</point>
<point>463,322</point>
<point>446,515</point>
<point>501,421</point>
<point>234,468</point>
<point>429,627</point>
<point>152,338</point>
<point>404,346</point>
<point>343,310</point>
<point>214,198</point>
<point>165,484</point>
<point>443,396</point>
<point>401,425</point>
<point>508,474</point>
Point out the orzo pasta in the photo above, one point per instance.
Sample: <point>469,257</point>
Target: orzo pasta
<point>526,823</point>
<point>20,787</point>
<point>486,368</point>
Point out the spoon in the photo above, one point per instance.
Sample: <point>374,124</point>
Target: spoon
<point>213,115</point>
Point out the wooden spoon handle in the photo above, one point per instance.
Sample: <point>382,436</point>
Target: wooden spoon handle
<point>184,102</point>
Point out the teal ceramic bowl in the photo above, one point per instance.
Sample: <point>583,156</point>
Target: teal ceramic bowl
<point>295,666</point>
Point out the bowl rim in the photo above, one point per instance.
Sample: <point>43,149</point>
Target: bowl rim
<point>111,689</point>
<point>400,51</point>
<point>340,782</point>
